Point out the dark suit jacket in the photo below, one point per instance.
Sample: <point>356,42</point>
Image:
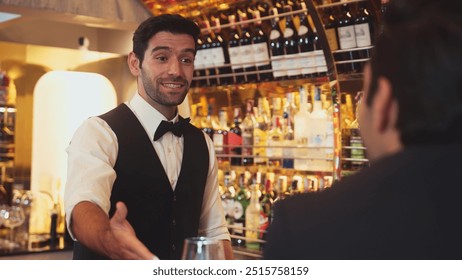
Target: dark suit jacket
<point>405,206</point>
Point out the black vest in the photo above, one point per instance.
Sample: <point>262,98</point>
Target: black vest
<point>162,218</point>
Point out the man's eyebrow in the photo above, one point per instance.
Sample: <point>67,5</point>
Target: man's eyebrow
<point>160,48</point>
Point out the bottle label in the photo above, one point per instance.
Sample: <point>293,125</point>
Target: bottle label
<point>235,143</point>
<point>235,57</point>
<point>363,35</point>
<point>261,54</point>
<point>277,64</point>
<point>247,56</point>
<point>346,35</point>
<point>238,210</point>
<point>247,142</point>
<point>332,39</point>
<point>291,64</point>
<point>218,142</point>
<point>308,62</point>
<point>218,57</point>
<point>199,60</point>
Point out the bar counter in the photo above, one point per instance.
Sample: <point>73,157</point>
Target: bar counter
<point>39,247</point>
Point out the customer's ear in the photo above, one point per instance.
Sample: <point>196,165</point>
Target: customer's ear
<point>384,107</point>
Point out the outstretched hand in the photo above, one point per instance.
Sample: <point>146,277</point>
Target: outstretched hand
<point>128,245</point>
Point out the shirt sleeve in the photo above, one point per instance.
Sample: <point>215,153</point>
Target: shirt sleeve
<point>92,153</point>
<point>212,222</point>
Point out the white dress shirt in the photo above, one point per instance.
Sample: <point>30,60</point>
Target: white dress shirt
<point>92,154</point>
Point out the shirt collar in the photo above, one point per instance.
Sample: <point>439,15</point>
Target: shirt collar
<point>149,117</point>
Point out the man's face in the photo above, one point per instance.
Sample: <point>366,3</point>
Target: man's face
<point>167,69</point>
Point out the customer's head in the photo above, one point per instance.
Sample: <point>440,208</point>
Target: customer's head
<point>175,24</point>
<point>418,59</point>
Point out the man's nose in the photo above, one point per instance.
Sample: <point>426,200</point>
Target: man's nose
<point>174,67</point>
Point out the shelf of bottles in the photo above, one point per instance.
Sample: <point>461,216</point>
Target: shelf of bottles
<point>266,90</point>
<point>7,147</point>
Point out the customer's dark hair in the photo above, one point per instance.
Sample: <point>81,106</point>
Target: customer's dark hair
<point>420,53</point>
<point>175,24</point>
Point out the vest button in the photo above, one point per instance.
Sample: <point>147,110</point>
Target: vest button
<point>173,247</point>
<point>174,197</point>
<point>174,222</point>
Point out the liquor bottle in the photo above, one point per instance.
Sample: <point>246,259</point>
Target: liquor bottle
<point>301,131</point>
<point>227,198</point>
<point>261,131</point>
<point>210,47</point>
<point>364,30</point>
<point>276,44</point>
<point>320,125</point>
<point>235,139</point>
<point>247,51</point>
<point>207,125</point>
<point>248,125</point>
<point>234,49</point>
<point>306,43</point>
<point>347,38</point>
<point>274,143</point>
<point>288,132</point>
<point>220,56</point>
<point>220,136</point>
<point>291,51</point>
<point>240,205</point>
<point>260,50</point>
<point>330,27</point>
<point>252,219</point>
<point>267,199</point>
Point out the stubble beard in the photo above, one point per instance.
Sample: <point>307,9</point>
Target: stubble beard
<point>153,91</point>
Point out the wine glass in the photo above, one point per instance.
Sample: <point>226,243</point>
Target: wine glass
<point>12,217</point>
<point>202,248</point>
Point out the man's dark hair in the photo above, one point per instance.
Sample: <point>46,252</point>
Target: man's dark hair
<point>175,24</point>
<point>420,53</point>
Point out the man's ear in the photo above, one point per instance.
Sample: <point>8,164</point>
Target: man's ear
<point>133,64</point>
<point>384,107</point>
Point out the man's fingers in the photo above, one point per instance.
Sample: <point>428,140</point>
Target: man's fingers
<point>121,212</point>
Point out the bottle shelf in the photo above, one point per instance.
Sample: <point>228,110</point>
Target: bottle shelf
<point>323,6</point>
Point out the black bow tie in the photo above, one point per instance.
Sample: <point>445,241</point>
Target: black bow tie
<point>175,128</point>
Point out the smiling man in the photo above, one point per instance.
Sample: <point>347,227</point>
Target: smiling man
<point>141,178</point>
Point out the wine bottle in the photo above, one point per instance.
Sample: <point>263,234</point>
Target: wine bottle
<point>252,218</point>
<point>347,38</point>
<point>248,125</point>
<point>209,47</point>
<point>260,50</point>
<point>306,43</point>
<point>235,139</point>
<point>277,48</point>
<point>220,135</point>
<point>200,78</point>
<point>247,51</point>
<point>234,49</point>
<point>220,56</point>
<point>364,30</point>
<point>291,51</point>
<point>288,131</point>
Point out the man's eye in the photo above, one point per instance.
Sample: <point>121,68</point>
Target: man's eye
<point>161,58</point>
<point>187,60</point>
